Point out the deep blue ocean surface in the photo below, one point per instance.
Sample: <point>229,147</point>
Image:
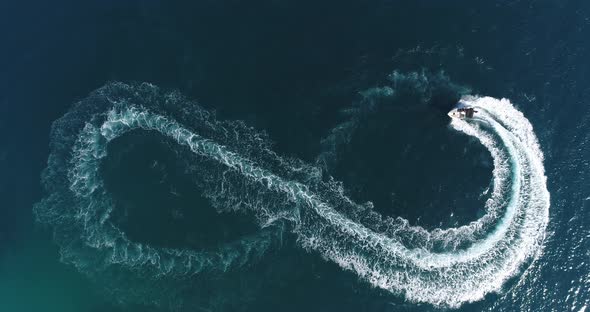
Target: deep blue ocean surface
<point>294,156</point>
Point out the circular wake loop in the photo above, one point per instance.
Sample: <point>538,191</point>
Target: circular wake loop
<point>239,171</point>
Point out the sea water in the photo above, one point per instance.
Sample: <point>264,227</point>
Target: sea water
<point>330,177</point>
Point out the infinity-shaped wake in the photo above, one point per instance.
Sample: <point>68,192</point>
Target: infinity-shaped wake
<point>238,171</point>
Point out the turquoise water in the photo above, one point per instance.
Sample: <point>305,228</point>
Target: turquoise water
<point>330,125</point>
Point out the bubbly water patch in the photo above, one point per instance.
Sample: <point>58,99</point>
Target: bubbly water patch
<point>238,170</point>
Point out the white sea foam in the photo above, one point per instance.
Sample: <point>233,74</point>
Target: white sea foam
<point>477,258</point>
<point>451,278</point>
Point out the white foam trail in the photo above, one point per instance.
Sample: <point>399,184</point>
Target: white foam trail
<point>499,243</point>
<point>451,278</point>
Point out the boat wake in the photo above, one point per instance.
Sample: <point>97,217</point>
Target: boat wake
<point>238,171</point>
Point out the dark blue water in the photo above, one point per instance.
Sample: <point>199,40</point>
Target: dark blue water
<point>295,70</point>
